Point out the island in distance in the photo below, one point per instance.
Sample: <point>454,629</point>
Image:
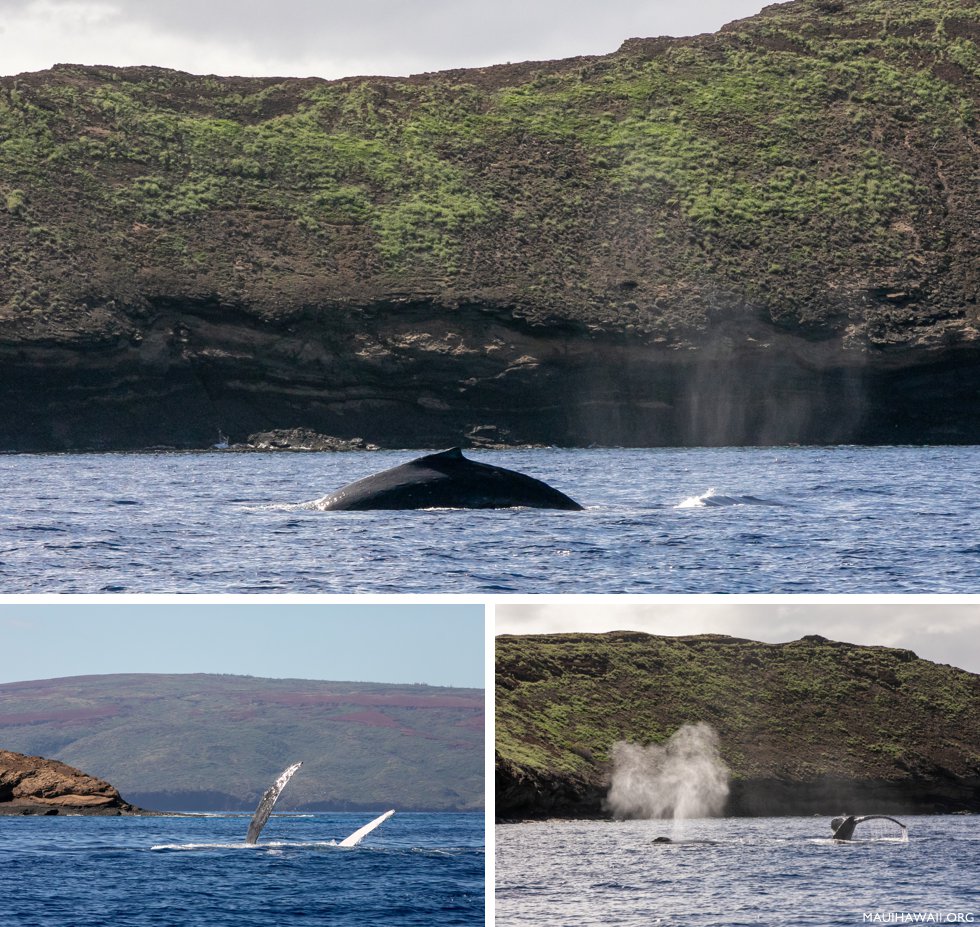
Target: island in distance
<point>205,742</point>
<point>813,726</point>
<point>762,236</point>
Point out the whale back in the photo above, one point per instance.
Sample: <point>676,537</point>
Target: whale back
<point>446,479</point>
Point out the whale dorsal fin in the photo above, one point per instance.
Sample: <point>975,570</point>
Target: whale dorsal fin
<point>454,453</point>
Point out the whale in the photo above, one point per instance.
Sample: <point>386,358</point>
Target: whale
<point>355,838</point>
<point>446,480</point>
<point>271,796</point>
<point>843,827</point>
<point>267,801</point>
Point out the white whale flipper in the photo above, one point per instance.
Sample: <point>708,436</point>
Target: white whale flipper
<point>267,801</point>
<point>355,838</point>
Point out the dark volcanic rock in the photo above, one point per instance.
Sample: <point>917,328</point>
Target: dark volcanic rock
<point>762,236</point>
<point>303,439</point>
<point>34,785</point>
<point>806,727</point>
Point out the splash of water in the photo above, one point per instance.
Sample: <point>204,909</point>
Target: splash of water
<point>684,777</point>
<point>696,502</point>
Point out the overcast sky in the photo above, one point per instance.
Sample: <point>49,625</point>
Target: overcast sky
<point>436,644</point>
<point>942,633</point>
<point>332,39</point>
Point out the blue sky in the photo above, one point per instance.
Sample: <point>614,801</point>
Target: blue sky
<point>435,644</point>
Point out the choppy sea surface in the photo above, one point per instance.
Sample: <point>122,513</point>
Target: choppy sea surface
<point>735,872</point>
<point>725,520</point>
<point>416,869</point>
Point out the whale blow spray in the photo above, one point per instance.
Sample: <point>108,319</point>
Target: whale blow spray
<point>684,777</point>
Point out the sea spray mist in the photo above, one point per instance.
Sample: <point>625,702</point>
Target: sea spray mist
<point>684,777</point>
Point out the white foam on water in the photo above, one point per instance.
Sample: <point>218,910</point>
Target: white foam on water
<point>275,845</point>
<point>696,502</point>
<point>282,506</point>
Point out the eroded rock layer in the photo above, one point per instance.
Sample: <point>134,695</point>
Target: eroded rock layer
<point>34,785</point>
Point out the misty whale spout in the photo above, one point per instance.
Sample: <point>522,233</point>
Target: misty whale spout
<point>446,480</point>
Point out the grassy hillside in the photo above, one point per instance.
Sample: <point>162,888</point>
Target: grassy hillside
<point>819,153</point>
<point>200,740</point>
<point>765,235</point>
<point>790,716</point>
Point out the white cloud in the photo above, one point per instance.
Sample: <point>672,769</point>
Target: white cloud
<point>332,39</point>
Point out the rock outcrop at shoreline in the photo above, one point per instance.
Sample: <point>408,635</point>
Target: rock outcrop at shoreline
<point>765,235</point>
<point>812,726</point>
<point>34,785</point>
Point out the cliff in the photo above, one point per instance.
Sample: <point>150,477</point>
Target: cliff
<point>765,235</point>
<point>811,726</point>
<point>209,742</point>
<point>34,785</point>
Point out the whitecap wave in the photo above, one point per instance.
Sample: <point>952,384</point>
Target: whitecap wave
<point>713,499</point>
<point>312,505</point>
<point>696,502</point>
<point>252,847</point>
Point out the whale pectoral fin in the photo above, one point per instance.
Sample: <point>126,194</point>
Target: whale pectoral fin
<point>355,838</point>
<point>269,798</point>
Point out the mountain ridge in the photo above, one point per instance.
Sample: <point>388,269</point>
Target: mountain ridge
<point>212,742</point>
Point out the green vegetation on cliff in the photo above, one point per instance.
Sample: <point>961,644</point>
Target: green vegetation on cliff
<point>209,741</point>
<point>815,165</point>
<point>799,713</point>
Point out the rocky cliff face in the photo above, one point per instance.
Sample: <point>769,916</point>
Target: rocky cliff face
<point>765,235</point>
<point>34,785</point>
<point>812,726</point>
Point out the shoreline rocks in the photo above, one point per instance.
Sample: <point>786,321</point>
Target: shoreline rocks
<point>35,785</point>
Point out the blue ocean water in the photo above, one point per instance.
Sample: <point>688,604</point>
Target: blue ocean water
<point>721,520</point>
<point>735,872</point>
<point>416,869</point>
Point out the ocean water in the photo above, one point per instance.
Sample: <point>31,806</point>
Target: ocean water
<point>725,520</point>
<point>735,872</point>
<point>416,869</point>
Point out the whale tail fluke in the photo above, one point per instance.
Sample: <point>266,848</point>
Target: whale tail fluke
<point>355,838</point>
<point>845,826</point>
<point>269,798</point>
